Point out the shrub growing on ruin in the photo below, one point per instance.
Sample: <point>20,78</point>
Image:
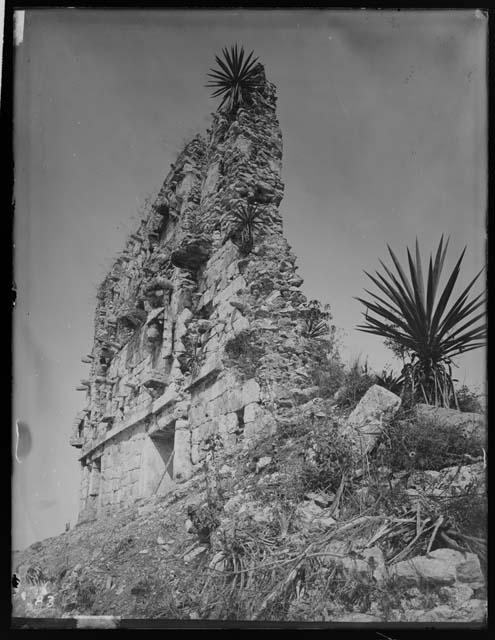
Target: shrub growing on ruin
<point>328,376</point>
<point>423,443</point>
<point>327,369</point>
<point>245,353</point>
<point>328,458</point>
<point>468,401</point>
<point>357,380</point>
<point>312,455</point>
<point>430,333</point>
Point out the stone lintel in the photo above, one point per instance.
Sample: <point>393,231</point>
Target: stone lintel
<point>130,421</point>
<point>208,370</point>
<point>169,397</point>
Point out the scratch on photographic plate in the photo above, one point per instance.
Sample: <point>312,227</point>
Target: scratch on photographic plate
<point>23,440</point>
<point>18,27</point>
<point>97,622</point>
<point>17,440</point>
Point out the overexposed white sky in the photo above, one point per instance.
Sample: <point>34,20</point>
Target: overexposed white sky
<point>383,116</point>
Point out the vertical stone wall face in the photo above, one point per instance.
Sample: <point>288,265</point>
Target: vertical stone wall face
<point>197,332</point>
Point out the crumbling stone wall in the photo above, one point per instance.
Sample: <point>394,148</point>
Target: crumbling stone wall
<point>197,331</point>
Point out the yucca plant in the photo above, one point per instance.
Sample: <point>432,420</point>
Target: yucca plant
<point>235,79</point>
<point>421,321</point>
<point>245,221</point>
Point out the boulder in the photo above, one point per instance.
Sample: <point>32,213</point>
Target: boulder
<point>456,595</point>
<point>450,481</point>
<point>474,610</point>
<point>442,567</point>
<point>423,570</point>
<point>365,424</point>
<point>469,424</point>
<point>467,565</point>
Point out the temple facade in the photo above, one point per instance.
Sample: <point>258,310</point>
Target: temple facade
<point>197,324</point>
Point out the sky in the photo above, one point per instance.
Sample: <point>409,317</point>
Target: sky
<point>383,116</point>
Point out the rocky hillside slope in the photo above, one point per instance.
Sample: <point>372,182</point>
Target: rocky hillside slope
<point>373,516</point>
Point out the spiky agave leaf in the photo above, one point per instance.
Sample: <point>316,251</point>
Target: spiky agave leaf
<point>245,220</point>
<point>412,316</point>
<point>316,319</point>
<point>389,380</point>
<point>235,78</point>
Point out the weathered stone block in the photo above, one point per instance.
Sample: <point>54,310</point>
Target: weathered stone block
<point>252,412</point>
<point>421,570</point>
<point>227,424</point>
<point>369,417</point>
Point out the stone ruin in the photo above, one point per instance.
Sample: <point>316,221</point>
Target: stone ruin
<point>198,325</point>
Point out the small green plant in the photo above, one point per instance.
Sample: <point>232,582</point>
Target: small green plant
<point>235,79</point>
<point>424,329</point>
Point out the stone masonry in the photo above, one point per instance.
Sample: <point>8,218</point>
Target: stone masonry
<point>198,332</point>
